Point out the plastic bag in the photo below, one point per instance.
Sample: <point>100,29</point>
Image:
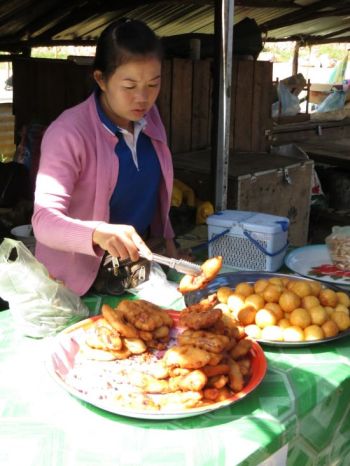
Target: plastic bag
<point>288,103</point>
<point>157,289</point>
<point>39,305</point>
<point>338,243</point>
<point>334,101</point>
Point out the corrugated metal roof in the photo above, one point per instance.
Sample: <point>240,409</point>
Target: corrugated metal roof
<point>31,22</point>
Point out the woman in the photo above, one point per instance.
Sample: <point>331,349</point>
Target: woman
<point>105,176</point>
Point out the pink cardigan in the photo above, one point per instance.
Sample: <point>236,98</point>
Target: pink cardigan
<point>77,175</point>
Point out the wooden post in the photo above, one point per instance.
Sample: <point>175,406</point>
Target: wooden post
<point>224,12</point>
<point>296,58</point>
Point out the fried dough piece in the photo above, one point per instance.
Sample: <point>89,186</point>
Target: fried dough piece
<point>159,371</point>
<point>135,345</point>
<point>179,401</point>
<point>217,381</point>
<point>211,393</point>
<point>147,383</point>
<point>161,332</point>
<point>205,340</point>
<point>137,401</point>
<point>103,355</point>
<point>210,269</point>
<point>194,381</point>
<point>188,357</point>
<point>215,358</point>
<point>117,320</point>
<point>145,336</point>
<point>220,369</point>
<point>144,315</point>
<point>241,349</point>
<point>158,344</point>
<point>235,377</point>
<point>103,336</point>
<point>195,318</point>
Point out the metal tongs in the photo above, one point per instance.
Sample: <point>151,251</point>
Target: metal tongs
<point>181,265</point>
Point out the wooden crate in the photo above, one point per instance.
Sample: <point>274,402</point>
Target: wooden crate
<point>257,182</point>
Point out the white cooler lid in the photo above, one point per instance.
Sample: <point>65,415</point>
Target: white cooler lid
<point>253,221</point>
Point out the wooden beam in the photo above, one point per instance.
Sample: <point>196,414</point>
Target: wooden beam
<point>304,14</point>
<point>267,3</point>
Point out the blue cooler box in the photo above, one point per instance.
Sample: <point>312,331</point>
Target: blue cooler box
<point>248,240</point>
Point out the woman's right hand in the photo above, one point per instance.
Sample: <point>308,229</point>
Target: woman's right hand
<point>120,241</point>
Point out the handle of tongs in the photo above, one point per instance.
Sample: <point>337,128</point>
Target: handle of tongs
<point>181,265</point>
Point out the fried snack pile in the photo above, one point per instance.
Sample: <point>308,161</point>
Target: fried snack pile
<point>131,328</point>
<point>286,309</point>
<point>209,357</point>
<point>210,269</point>
<point>205,360</point>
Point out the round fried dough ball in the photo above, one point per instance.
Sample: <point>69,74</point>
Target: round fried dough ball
<point>307,302</point>
<point>253,331</point>
<point>246,315</point>
<point>255,300</point>
<point>272,293</point>
<point>342,308</point>
<point>341,319</point>
<point>313,332</point>
<point>276,281</point>
<point>329,310</point>
<point>284,323</point>
<point>260,285</point>
<point>328,297</point>
<point>316,287</point>
<point>244,288</point>
<point>293,333</point>
<point>235,302</point>
<point>300,318</point>
<point>301,288</point>
<point>289,301</point>
<point>276,309</point>
<point>223,293</point>
<point>264,317</point>
<point>224,307</point>
<point>318,315</point>
<point>343,298</point>
<point>285,281</point>
<point>330,329</point>
<point>272,332</point>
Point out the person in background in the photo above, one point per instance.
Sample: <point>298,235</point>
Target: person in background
<point>105,177</point>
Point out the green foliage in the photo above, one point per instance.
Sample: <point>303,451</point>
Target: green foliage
<point>283,51</point>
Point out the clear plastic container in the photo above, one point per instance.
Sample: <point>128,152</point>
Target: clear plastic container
<point>338,243</point>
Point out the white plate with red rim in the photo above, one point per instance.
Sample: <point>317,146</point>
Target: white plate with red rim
<point>91,386</point>
<point>314,262</point>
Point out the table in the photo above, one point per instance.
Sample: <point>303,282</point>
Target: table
<point>302,404</point>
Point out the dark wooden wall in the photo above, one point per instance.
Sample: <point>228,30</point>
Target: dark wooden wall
<point>43,88</point>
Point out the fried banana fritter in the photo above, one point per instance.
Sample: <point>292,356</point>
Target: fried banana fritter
<point>187,357</point>
<point>195,318</point>
<point>210,269</point>
<point>205,340</point>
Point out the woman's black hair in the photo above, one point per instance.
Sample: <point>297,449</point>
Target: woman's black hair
<point>123,41</point>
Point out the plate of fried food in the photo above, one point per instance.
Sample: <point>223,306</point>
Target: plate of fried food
<point>279,309</point>
<point>142,361</point>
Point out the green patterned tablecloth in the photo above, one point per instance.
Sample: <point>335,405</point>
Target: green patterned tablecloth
<point>303,403</point>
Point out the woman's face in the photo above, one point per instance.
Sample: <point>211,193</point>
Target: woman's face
<point>130,91</point>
